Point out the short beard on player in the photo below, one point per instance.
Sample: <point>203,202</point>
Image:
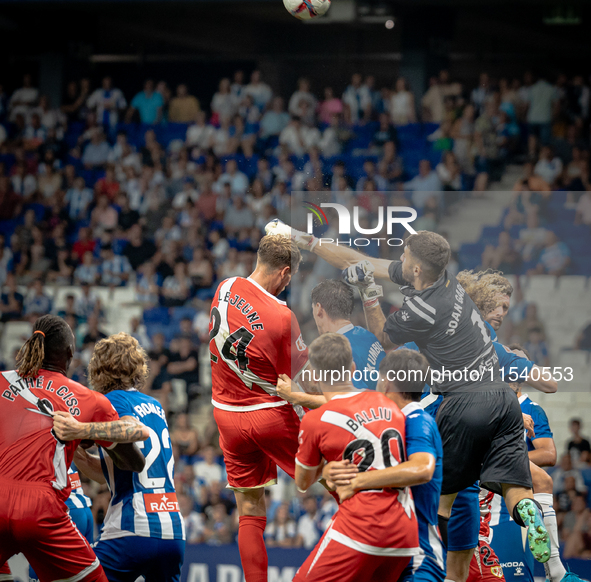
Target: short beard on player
<point>407,272</point>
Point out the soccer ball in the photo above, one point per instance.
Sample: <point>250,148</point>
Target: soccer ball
<point>307,9</point>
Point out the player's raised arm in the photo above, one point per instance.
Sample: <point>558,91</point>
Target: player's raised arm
<point>543,378</point>
<point>344,257</point>
<point>336,255</point>
<point>362,276</point>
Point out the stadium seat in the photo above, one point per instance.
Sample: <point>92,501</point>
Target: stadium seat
<point>179,313</point>
<point>490,234</point>
<point>540,285</point>
<point>470,255</point>
<point>558,198</point>
<point>428,128</point>
<point>124,295</point>
<point>512,279</point>
<point>60,294</point>
<point>7,227</point>
<point>14,334</point>
<point>105,294</point>
<point>577,359</point>
<point>581,265</point>
<point>410,131</point>
<point>434,157</point>
<point>566,215</point>
<point>39,210</point>
<point>572,285</point>
<point>122,314</point>
<point>171,131</point>
<point>8,161</point>
<point>177,400</point>
<point>206,294</point>
<point>515,230</point>
<point>159,315</point>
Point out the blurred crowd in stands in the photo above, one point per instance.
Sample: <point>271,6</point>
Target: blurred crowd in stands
<point>167,196</point>
<point>572,494</point>
<point>540,233</point>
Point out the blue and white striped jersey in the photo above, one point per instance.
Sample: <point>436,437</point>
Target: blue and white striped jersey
<point>367,355</point>
<point>77,499</point>
<point>112,270</point>
<point>538,414</point>
<point>78,201</point>
<point>143,504</point>
<point>422,436</point>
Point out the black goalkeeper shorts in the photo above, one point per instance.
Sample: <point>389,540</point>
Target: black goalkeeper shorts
<point>483,439</point>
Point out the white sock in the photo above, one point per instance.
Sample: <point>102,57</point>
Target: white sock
<point>555,571</point>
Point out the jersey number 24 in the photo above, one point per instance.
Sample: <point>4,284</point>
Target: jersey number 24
<point>234,348</point>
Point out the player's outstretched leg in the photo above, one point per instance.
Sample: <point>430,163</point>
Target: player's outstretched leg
<point>532,519</point>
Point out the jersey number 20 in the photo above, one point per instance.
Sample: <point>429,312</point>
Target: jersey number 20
<point>365,451</point>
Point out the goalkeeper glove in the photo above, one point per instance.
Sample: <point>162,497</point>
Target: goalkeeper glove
<point>361,276</point>
<point>302,239</point>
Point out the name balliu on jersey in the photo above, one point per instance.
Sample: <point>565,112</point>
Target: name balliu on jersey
<point>448,329</point>
<point>369,430</point>
<point>143,504</point>
<point>254,337</point>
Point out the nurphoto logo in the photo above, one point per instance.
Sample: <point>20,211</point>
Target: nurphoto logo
<point>386,216</point>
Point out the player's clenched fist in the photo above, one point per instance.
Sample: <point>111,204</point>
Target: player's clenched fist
<point>66,427</point>
<point>284,387</point>
<point>303,240</point>
<point>528,422</point>
<point>361,275</point>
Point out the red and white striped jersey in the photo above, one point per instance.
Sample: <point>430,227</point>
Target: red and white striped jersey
<point>486,499</point>
<point>29,450</point>
<point>369,430</point>
<point>254,337</point>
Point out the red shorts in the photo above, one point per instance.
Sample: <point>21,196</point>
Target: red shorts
<point>485,565</point>
<point>331,561</point>
<point>5,573</point>
<point>255,442</point>
<point>33,521</point>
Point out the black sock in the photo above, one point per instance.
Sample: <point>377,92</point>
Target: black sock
<point>517,517</point>
<point>443,521</point>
